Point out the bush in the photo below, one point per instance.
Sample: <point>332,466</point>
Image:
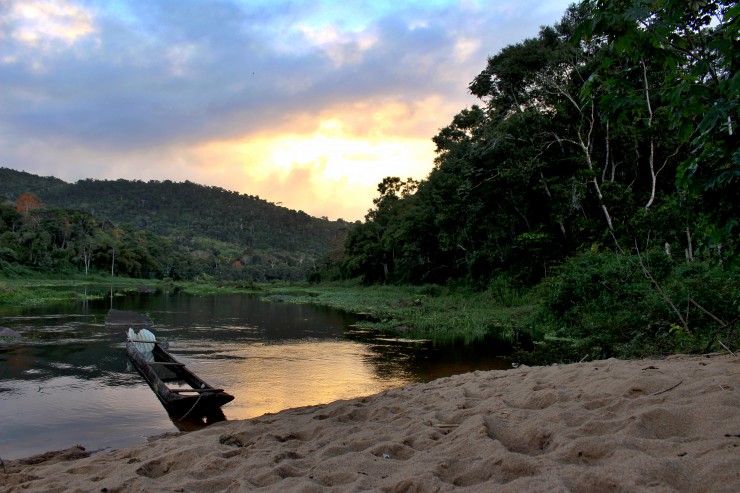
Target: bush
<point>505,291</point>
<point>432,290</point>
<point>609,307</point>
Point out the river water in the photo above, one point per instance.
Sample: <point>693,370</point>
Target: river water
<point>68,380</point>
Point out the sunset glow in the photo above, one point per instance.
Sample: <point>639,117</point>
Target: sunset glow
<point>307,104</point>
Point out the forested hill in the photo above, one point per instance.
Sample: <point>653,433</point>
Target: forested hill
<point>183,211</point>
<point>13,183</point>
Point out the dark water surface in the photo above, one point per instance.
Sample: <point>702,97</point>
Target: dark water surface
<point>68,380</point>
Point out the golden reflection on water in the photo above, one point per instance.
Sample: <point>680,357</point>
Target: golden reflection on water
<point>274,377</point>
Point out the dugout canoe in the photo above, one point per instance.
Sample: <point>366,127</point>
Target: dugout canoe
<point>180,391</point>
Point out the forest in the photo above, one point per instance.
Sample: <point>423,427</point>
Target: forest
<point>181,231</point>
<point>599,168</point>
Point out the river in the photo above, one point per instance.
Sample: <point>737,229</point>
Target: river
<point>68,380</point>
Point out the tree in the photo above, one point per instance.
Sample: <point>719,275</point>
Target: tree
<point>27,202</point>
<point>696,46</point>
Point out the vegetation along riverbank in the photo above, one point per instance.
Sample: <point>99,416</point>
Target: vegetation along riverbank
<point>615,325</point>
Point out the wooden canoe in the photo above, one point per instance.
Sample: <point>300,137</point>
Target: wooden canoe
<point>181,391</point>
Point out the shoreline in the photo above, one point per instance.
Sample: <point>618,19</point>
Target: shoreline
<point>613,425</point>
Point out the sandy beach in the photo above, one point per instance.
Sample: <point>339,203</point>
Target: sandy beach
<point>656,425</point>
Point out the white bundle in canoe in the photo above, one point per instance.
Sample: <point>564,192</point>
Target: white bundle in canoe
<point>143,341</point>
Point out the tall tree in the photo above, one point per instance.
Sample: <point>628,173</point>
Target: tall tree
<point>695,44</point>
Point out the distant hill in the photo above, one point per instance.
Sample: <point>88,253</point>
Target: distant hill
<point>13,183</point>
<point>184,211</point>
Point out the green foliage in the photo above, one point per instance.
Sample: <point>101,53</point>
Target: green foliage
<point>695,46</point>
<point>25,287</point>
<point>505,291</point>
<point>159,229</point>
<point>612,131</point>
<point>607,306</point>
<point>61,240</point>
<point>426,311</point>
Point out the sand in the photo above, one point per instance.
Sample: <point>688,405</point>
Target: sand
<point>655,425</point>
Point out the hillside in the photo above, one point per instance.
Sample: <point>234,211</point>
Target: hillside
<point>13,183</point>
<point>183,211</point>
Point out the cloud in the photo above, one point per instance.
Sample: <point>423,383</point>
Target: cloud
<point>245,94</point>
<point>199,72</point>
<point>39,22</point>
<point>345,156</point>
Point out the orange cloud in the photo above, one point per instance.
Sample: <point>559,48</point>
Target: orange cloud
<point>328,164</point>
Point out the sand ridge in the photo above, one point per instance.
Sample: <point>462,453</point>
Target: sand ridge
<point>656,425</point>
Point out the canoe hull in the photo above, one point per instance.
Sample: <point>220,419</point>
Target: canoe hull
<point>192,397</point>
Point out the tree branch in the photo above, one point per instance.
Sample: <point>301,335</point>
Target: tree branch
<point>665,296</point>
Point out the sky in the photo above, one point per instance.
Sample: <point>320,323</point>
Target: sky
<point>305,103</point>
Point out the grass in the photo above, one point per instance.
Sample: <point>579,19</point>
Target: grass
<point>37,290</point>
<point>430,312</point>
<point>206,288</point>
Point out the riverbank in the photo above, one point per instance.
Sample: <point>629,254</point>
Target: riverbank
<point>444,314</point>
<point>50,290</point>
<point>421,312</point>
<point>641,425</point>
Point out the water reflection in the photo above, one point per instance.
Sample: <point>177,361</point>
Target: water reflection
<point>270,377</point>
<point>67,382</point>
<point>193,423</point>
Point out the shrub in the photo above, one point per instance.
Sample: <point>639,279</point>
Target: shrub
<point>505,291</point>
<point>609,307</point>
